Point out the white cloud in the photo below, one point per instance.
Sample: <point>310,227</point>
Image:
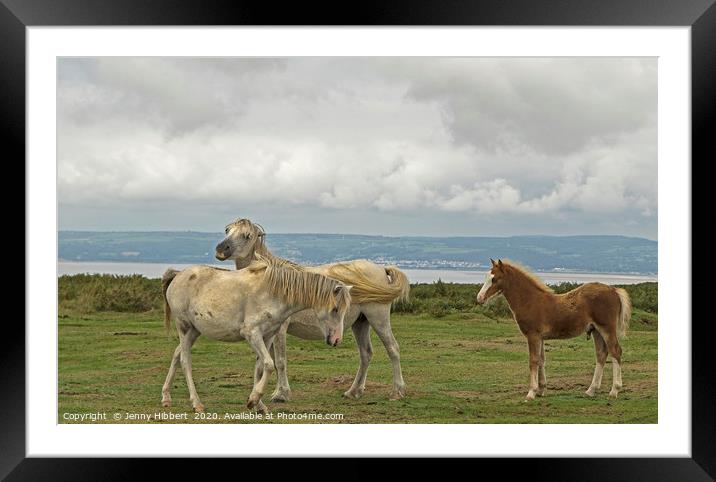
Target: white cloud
<point>479,136</point>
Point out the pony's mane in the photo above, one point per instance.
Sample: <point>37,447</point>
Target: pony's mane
<point>278,261</point>
<point>298,286</point>
<point>534,280</point>
<point>365,290</point>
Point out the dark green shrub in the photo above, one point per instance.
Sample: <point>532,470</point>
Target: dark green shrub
<point>89,293</point>
<point>644,296</point>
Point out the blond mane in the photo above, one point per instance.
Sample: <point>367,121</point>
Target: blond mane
<point>534,280</point>
<point>297,286</point>
<point>365,290</point>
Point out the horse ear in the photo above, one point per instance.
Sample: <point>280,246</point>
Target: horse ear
<point>493,262</point>
<point>499,263</point>
<point>338,288</point>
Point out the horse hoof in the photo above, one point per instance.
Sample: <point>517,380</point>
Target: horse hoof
<point>352,395</point>
<point>199,408</point>
<point>589,393</point>
<point>280,397</point>
<point>530,396</point>
<point>254,401</point>
<point>396,395</point>
<point>613,394</point>
<point>540,393</point>
<point>166,403</point>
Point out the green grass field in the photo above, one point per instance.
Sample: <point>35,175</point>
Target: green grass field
<point>459,366</point>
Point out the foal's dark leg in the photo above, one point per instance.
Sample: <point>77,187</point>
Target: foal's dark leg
<point>542,376</point>
<point>534,343</point>
<point>600,350</point>
<point>616,353</point>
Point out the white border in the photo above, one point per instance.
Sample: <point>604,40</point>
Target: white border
<point>670,437</point>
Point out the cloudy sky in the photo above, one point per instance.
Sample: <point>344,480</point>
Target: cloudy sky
<point>395,146</point>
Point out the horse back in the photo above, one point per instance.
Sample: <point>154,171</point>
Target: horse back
<point>597,301</point>
<point>198,286</point>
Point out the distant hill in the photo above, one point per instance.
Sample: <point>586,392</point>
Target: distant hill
<point>597,254</point>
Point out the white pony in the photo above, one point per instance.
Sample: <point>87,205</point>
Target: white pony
<point>250,305</point>
<point>375,288</point>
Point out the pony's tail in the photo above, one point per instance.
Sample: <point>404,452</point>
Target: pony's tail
<point>624,312</point>
<point>400,281</point>
<point>167,278</point>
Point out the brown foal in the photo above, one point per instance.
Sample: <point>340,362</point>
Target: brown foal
<point>593,308</point>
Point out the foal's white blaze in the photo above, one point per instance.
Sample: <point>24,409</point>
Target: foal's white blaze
<point>485,286</point>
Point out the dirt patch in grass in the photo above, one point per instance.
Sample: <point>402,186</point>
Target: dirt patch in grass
<point>84,396</point>
<point>224,376</point>
<point>464,394</point>
<point>347,380</point>
<point>506,344</point>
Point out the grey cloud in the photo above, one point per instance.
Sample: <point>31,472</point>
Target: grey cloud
<point>405,137</point>
<point>555,106</point>
<point>174,95</point>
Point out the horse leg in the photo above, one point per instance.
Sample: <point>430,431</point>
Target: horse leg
<point>283,390</point>
<point>534,344</point>
<point>166,397</point>
<point>542,381</point>
<point>258,343</point>
<point>258,373</point>
<point>616,353</point>
<point>361,331</point>
<point>379,320</point>
<point>600,349</point>
<point>186,341</point>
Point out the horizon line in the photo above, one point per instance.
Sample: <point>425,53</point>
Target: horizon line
<point>373,235</point>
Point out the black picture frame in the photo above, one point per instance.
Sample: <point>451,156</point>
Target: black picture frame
<point>700,15</point>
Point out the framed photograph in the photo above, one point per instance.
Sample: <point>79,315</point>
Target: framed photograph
<point>432,231</point>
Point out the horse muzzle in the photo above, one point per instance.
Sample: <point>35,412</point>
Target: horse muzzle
<point>333,340</point>
<point>222,251</point>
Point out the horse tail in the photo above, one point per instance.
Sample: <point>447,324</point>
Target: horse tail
<point>400,281</point>
<point>167,278</point>
<point>624,312</point>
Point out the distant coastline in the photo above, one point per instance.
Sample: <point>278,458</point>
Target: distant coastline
<point>476,269</point>
<point>550,254</point>
<point>155,270</point>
